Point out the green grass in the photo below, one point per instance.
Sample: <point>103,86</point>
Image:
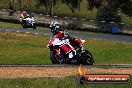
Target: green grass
<point>21,48</point>
<point>17,49</point>
<point>64,82</point>
<point>5,24</point>
<point>109,52</point>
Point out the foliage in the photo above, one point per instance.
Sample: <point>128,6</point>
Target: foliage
<point>94,4</point>
<point>48,4</point>
<point>11,2</point>
<point>108,10</point>
<point>126,6</point>
<point>74,5</point>
<point>20,2</point>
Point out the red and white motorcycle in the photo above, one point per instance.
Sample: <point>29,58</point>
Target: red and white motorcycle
<point>63,52</point>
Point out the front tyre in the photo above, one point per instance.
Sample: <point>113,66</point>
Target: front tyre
<point>34,26</point>
<point>24,26</point>
<point>87,58</point>
<point>56,59</point>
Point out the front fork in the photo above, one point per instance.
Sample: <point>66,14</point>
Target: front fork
<point>32,24</point>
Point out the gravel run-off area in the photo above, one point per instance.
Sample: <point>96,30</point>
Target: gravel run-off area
<point>33,72</point>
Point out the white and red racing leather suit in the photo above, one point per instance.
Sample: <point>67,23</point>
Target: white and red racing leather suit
<point>23,15</point>
<point>73,41</point>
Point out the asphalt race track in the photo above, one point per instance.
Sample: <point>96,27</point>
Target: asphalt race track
<point>118,38</point>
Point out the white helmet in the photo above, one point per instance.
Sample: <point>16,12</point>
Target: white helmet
<point>54,26</point>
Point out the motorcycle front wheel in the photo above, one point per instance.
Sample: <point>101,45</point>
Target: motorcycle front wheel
<point>55,59</point>
<point>23,25</point>
<point>34,26</point>
<point>86,58</point>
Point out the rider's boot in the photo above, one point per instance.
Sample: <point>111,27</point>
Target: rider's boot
<point>81,48</point>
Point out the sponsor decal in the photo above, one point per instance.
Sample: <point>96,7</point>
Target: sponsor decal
<point>101,78</point>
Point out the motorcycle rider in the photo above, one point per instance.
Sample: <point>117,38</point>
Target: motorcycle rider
<point>23,16</point>
<point>62,34</point>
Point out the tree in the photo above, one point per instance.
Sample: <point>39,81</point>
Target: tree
<point>11,7</point>
<point>111,6</point>
<point>48,4</point>
<point>108,11</point>
<point>126,6</point>
<point>28,3</point>
<point>94,4</point>
<point>20,2</point>
<point>74,5</point>
<point>11,2</point>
